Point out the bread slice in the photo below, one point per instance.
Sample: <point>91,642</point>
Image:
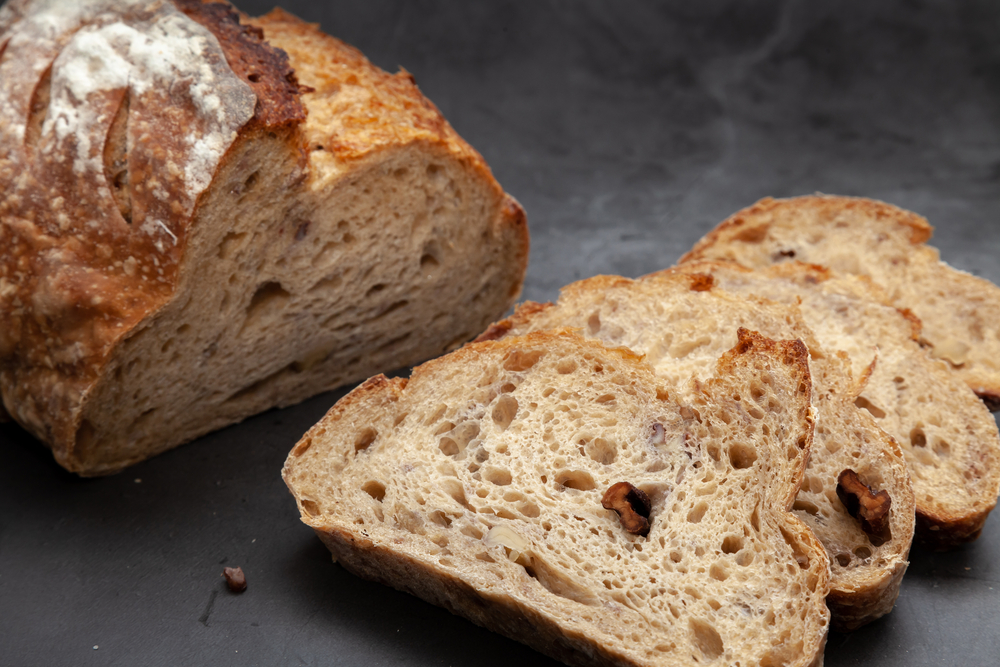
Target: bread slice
<point>960,312</point>
<point>948,437</point>
<point>477,485</point>
<point>192,253</point>
<point>681,323</point>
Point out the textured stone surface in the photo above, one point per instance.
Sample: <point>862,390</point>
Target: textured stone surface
<point>626,131</point>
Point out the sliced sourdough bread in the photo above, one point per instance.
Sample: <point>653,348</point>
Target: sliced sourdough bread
<point>947,435</point>
<point>478,485</point>
<point>680,323</point>
<point>212,236</point>
<point>960,312</point>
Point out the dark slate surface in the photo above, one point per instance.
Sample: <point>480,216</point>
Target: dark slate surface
<point>627,130</point>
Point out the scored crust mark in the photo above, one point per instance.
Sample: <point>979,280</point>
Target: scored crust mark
<point>631,504</point>
<point>869,508</point>
<point>38,109</point>
<point>263,67</point>
<point>116,152</point>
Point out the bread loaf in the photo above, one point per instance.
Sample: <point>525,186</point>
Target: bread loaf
<point>948,436</point>
<point>478,485</point>
<point>960,313</point>
<point>206,216</point>
<point>680,324</point>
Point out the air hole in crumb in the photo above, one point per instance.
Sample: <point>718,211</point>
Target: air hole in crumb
<point>917,437</point>
<point>742,455</point>
<point>697,513</point>
<point>311,507</point>
<point>498,476</point>
<point>365,438</point>
<point>942,448</point>
<point>875,411</point>
<point>375,289</point>
<point>504,411</point>
<point>521,360</point>
<point>805,506</point>
<point>441,519</point>
<point>428,262</point>
<point>269,298</point>
<point>594,323</point>
<point>566,366</point>
<point>718,572</point>
<point>602,451</point>
<point>576,479</point>
<point>374,489</point>
<point>448,446</point>
<point>707,639</point>
<point>863,552</point>
<point>731,544</point>
<point>248,184</point>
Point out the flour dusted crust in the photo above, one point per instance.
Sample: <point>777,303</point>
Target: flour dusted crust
<point>680,323</point>
<point>959,312</point>
<point>166,177</point>
<point>477,483</point>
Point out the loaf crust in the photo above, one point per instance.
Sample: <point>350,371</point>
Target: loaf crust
<point>679,321</point>
<point>394,503</point>
<point>960,312</point>
<point>123,189</point>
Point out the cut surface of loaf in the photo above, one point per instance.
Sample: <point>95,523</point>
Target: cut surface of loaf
<point>948,436</point>
<point>680,323</point>
<point>960,313</point>
<point>477,485</point>
<point>174,258</point>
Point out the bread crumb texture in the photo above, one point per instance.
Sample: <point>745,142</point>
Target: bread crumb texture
<point>680,320</point>
<point>478,483</point>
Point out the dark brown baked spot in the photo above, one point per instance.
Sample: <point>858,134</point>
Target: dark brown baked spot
<point>701,282</point>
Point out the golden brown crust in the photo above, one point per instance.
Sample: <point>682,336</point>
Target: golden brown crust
<point>377,110</point>
<point>499,613</point>
<point>752,221</point>
<point>522,314</point>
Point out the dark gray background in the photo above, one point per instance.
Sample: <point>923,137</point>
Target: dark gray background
<point>627,130</point>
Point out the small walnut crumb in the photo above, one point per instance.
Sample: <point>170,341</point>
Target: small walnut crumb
<point>234,579</point>
<point>869,508</point>
<point>632,506</point>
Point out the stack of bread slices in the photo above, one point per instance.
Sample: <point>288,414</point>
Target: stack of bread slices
<point>709,464</point>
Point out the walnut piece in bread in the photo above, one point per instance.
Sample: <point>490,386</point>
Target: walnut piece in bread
<point>477,485</point>
<point>206,216</point>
